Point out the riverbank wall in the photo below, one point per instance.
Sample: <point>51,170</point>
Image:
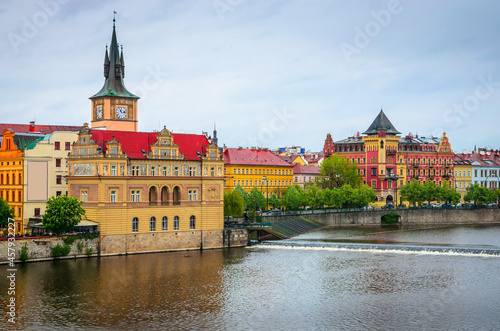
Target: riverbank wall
<point>41,248</point>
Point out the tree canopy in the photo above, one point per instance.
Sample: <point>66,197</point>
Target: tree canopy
<point>6,212</point>
<point>62,214</point>
<point>480,194</point>
<point>234,204</point>
<point>336,171</point>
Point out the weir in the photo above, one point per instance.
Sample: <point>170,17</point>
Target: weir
<point>377,248</point>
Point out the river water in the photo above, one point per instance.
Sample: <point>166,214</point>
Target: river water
<point>311,283</point>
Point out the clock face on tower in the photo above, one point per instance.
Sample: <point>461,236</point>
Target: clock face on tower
<point>99,112</point>
<point>121,112</point>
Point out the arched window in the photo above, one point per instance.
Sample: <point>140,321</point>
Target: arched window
<point>20,181</point>
<point>1,179</point>
<point>176,223</point>
<point>164,223</point>
<point>8,180</point>
<point>135,224</point>
<point>152,224</point>
<point>192,223</point>
<point>152,195</point>
<point>164,195</point>
<point>177,195</point>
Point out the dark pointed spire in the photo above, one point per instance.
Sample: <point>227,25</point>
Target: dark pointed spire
<point>122,62</point>
<point>114,69</point>
<point>215,140</point>
<point>106,63</point>
<point>381,123</point>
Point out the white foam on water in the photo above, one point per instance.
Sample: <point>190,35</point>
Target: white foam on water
<point>409,251</point>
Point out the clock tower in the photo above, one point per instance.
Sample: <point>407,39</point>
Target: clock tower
<point>114,107</point>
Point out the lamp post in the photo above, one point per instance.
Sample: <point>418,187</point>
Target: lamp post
<point>264,178</point>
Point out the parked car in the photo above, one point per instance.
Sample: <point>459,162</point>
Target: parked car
<point>437,205</point>
<point>427,206</point>
<point>448,205</point>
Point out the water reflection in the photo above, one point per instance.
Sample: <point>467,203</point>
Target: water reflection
<point>268,288</point>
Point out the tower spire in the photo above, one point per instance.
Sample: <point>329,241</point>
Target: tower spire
<point>215,140</point>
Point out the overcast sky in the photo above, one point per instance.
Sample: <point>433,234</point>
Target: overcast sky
<point>269,73</point>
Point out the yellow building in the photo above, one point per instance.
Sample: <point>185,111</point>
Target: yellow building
<point>259,168</point>
<point>45,167</point>
<point>136,185</point>
<point>462,164</point>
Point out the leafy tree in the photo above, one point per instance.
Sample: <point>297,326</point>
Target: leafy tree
<point>314,197</point>
<point>333,197</point>
<point>62,214</point>
<point>430,192</point>
<point>274,201</point>
<point>6,212</point>
<point>234,204</point>
<point>412,192</point>
<point>244,195</point>
<point>292,198</point>
<point>449,194</point>
<point>479,194</point>
<point>365,196</point>
<point>349,196</point>
<point>336,171</point>
<point>257,200</point>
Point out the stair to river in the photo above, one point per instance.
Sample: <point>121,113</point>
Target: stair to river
<point>291,227</point>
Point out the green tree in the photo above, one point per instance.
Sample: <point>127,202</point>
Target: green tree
<point>62,214</point>
<point>234,204</point>
<point>244,195</point>
<point>257,200</point>
<point>333,197</point>
<point>412,192</point>
<point>365,196</point>
<point>449,194</point>
<point>6,212</point>
<point>336,171</point>
<point>430,192</point>
<point>314,197</point>
<point>479,194</point>
<point>274,201</point>
<point>292,198</point>
<point>349,196</point>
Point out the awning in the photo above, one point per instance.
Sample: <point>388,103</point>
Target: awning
<point>82,223</point>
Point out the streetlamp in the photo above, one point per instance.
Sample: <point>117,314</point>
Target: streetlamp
<point>264,178</point>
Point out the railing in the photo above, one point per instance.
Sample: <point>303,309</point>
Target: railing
<point>153,203</point>
<point>177,203</point>
<point>165,203</point>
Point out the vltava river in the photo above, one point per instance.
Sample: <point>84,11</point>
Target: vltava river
<point>292,287</point>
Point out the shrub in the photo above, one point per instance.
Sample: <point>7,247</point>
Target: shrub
<point>59,250</point>
<point>69,240</point>
<point>89,251</point>
<point>392,218</point>
<point>23,256</point>
<point>80,247</point>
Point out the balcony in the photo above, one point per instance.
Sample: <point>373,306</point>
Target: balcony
<point>177,203</point>
<point>153,203</point>
<point>165,203</point>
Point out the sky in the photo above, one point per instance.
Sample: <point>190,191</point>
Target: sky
<point>268,73</point>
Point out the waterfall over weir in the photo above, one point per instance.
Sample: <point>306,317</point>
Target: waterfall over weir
<point>378,248</point>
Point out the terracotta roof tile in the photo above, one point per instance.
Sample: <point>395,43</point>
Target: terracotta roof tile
<point>253,157</point>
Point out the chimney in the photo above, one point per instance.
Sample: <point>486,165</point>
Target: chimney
<point>32,126</point>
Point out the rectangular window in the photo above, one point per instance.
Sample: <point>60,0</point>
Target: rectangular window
<point>113,196</point>
<point>18,212</point>
<point>59,179</point>
<point>58,163</point>
<point>212,171</point>
<point>58,193</point>
<point>374,184</point>
<point>374,171</point>
<point>67,146</point>
<point>135,170</point>
<point>165,171</point>
<point>192,171</point>
<point>295,179</point>
<point>176,171</point>
<point>192,195</point>
<point>57,145</point>
<point>37,211</point>
<point>250,182</point>
<point>153,171</point>
<point>83,195</point>
<point>113,170</point>
<point>468,173</point>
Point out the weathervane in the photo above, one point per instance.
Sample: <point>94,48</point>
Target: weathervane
<point>114,18</point>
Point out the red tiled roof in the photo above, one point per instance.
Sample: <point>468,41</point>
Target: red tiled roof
<point>133,143</point>
<point>46,129</point>
<point>253,157</point>
<point>300,169</point>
